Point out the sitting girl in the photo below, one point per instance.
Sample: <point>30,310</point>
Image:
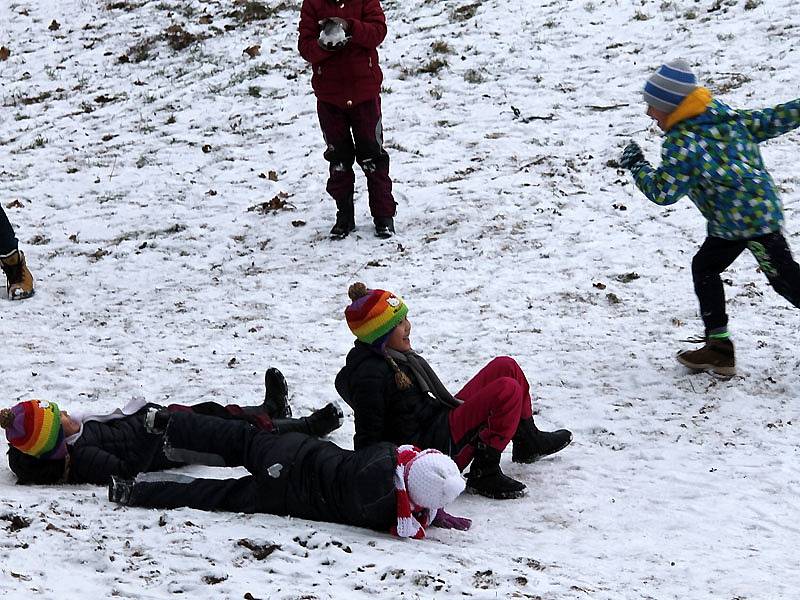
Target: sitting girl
<point>396,397</point>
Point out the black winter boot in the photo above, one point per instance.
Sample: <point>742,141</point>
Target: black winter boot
<point>276,395</point>
<point>345,219</point>
<point>119,490</point>
<point>319,423</point>
<point>530,444</point>
<point>486,478</point>
<point>384,227</point>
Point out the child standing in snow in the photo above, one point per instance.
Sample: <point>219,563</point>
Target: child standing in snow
<point>396,397</point>
<point>340,39</point>
<point>386,488</point>
<point>19,281</point>
<point>710,153</point>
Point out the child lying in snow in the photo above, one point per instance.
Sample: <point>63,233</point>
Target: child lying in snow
<point>383,487</point>
<point>48,445</point>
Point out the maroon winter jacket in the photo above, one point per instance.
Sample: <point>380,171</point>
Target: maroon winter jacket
<point>351,75</point>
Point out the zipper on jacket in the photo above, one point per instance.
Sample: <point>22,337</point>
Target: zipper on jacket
<point>370,62</point>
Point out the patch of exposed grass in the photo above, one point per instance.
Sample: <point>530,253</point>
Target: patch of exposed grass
<point>441,47</point>
<point>433,66</point>
<point>473,76</point>
<point>464,13</point>
<point>248,11</point>
<point>178,38</point>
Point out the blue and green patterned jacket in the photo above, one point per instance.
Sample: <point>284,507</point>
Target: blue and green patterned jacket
<point>713,157</point>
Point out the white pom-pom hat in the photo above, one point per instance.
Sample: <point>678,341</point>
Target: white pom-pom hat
<point>425,481</point>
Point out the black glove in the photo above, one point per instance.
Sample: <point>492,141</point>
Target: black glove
<point>631,156</point>
<point>332,34</point>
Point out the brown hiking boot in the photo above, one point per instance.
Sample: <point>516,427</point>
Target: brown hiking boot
<point>716,356</point>
<point>18,277</point>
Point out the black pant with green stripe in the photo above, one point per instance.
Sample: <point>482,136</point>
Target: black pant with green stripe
<point>716,254</point>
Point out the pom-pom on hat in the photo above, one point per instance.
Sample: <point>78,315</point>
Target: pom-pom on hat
<point>433,480</point>
<point>34,427</point>
<point>425,481</point>
<point>373,313</point>
<point>669,85</point>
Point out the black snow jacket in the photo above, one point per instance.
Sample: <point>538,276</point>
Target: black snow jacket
<point>120,447</point>
<point>324,482</point>
<point>382,411</point>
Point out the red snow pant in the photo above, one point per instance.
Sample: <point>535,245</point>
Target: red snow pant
<point>364,145</point>
<point>495,401</point>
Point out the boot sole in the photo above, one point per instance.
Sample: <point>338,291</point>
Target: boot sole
<point>540,456</point>
<point>23,296</point>
<point>717,370</point>
<point>496,495</point>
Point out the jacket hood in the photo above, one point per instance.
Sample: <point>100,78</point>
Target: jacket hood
<point>359,353</point>
<point>696,103</point>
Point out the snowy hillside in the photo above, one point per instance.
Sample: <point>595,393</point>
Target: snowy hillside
<point>168,189</point>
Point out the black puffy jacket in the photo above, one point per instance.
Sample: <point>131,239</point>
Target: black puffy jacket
<point>323,482</point>
<point>382,411</point>
<point>119,447</point>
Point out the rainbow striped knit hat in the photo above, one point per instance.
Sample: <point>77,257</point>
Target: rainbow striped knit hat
<point>34,428</point>
<point>373,314</point>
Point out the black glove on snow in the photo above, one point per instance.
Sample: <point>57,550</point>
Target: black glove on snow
<point>332,34</point>
<point>631,156</point>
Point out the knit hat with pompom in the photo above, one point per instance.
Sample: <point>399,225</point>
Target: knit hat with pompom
<point>34,427</point>
<point>373,313</point>
<point>425,481</point>
<point>372,316</point>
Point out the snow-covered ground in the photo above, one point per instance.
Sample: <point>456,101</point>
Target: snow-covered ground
<point>140,175</point>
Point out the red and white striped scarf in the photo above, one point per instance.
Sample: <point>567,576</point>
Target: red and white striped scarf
<point>411,519</point>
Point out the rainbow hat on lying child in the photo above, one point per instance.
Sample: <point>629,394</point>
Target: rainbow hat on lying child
<point>34,427</point>
<point>373,313</point>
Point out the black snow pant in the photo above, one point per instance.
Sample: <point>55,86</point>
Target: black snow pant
<point>291,474</point>
<point>210,441</point>
<point>716,254</point>
<point>8,243</point>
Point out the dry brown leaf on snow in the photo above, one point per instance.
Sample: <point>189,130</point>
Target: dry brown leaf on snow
<point>252,51</point>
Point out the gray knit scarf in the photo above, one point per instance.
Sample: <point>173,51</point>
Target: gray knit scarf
<point>425,376</point>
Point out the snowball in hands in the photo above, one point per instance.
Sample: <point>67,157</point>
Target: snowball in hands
<point>332,35</point>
